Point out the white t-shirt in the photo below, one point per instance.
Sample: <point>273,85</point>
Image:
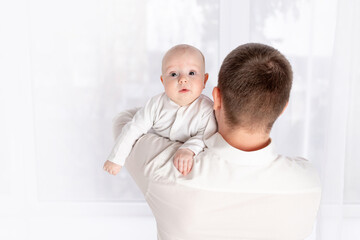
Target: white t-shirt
<point>229,193</point>
<point>167,119</point>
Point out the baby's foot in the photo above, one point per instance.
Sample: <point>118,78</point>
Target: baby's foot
<point>112,168</point>
<point>183,160</point>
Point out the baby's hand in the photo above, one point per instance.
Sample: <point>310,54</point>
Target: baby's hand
<point>183,160</point>
<point>111,167</point>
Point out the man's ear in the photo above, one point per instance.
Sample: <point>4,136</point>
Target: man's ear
<point>217,98</point>
<point>206,77</point>
<point>162,81</point>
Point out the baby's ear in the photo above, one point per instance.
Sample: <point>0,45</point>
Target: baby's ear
<point>206,77</point>
<point>162,81</point>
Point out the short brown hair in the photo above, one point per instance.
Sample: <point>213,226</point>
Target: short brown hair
<point>255,82</point>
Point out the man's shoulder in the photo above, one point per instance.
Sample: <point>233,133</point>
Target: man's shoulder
<point>299,172</point>
<point>281,175</point>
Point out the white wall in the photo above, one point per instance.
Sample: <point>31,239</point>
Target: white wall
<point>67,68</point>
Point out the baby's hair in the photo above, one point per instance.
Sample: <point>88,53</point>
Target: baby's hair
<point>182,47</point>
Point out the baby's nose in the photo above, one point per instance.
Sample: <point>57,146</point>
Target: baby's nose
<point>182,79</point>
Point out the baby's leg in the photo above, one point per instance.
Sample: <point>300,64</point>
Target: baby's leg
<point>183,160</point>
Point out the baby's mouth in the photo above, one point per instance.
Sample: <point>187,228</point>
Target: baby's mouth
<point>184,90</point>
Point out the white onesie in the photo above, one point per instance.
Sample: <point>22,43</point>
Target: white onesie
<point>164,117</point>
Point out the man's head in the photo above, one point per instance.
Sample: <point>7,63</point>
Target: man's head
<point>254,87</point>
<point>183,74</point>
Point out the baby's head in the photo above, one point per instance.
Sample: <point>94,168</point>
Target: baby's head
<point>183,74</point>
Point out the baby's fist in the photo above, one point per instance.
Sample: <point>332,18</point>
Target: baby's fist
<point>111,167</point>
<point>183,160</point>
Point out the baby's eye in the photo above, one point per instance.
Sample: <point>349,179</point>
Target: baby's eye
<point>192,73</point>
<point>173,74</point>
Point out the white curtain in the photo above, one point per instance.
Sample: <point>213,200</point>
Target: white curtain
<point>340,167</point>
<point>67,67</point>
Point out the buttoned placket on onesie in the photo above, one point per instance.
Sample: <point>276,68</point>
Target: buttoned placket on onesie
<point>175,131</point>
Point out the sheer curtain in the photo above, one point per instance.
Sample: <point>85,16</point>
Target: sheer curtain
<point>339,165</point>
<point>67,67</point>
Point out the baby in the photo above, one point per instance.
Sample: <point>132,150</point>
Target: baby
<point>182,113</point>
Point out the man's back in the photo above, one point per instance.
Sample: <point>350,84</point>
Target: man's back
<point>186,213</point>
<point>229,194</point>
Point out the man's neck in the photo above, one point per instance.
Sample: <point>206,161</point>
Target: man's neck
<point>245,140</point>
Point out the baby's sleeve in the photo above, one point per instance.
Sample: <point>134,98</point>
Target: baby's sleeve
<point>140,124</point>
<point>207,128</point>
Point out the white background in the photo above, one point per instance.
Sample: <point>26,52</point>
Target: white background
<point>67,67</point>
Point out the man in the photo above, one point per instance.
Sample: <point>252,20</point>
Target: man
<point>239,187</point>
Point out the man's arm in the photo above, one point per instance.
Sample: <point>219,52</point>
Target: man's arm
<point>150,158</point>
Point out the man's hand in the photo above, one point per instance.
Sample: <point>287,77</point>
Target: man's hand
<point>183,160</point>
<point>112,168</point>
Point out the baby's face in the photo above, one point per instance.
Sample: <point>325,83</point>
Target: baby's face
<point>183,76</point>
